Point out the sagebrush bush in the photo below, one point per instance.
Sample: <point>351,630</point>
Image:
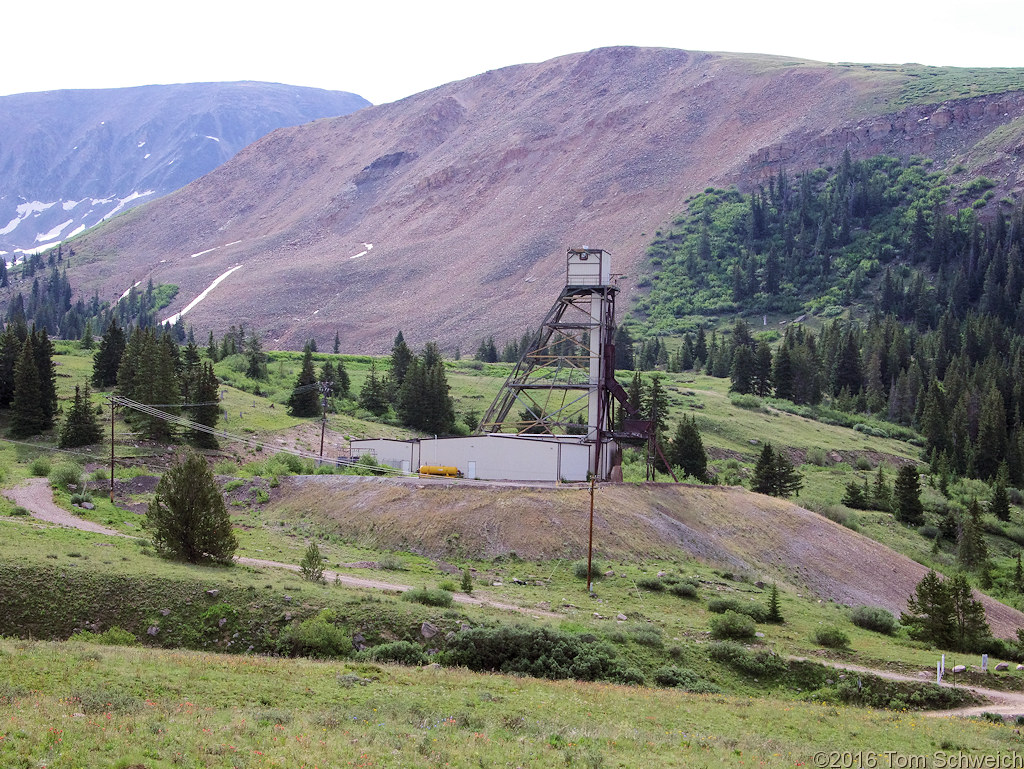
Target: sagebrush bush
<point>40,467</point>
<point>580,570</point>
<point>64,474</point>
<point>818,457</point>
<point>402,652</point>
<point>428,597</point>
<point>647,635</point>
<point>755,611</point>
<point>761,664</point>
<point>874,618</point>
<point>831,638</point>
<point>651,583</point>
<point>684,679</point>
<point>542,652</point>
<point>114,636</point>
<point>733,626</point>
<point>316,637</point>
<point>392,563</point>
<point>684,590</point>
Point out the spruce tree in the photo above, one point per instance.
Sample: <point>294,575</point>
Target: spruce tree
<point>10,351</point>
<point>27,415</point>
<point>999,502</point>
<point>305,398</point>
<point>401,357</point>
<point>107,359</point>
<point>907,497</point>
<point>929,615</point>
<point>342,383</point>
<point>205,393</point>
<point>255,358</point>
<point>763,478</point>
<point>188,517</point>
<point>774,614</point>
<point>969,627</point>
<point>972,552</point>
<point>80,426</point>
<point>42,348</point>
<point>687,450</point>
<point>337,343</point>
<point>373,394</point>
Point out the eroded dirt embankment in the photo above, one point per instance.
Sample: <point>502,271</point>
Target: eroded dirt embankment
<point>726,527</point>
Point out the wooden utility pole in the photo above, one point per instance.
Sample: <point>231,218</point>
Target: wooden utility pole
<point>111,450</point>
<point>590,545</point>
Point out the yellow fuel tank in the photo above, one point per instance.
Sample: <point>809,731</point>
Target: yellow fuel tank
<point>443,471</point>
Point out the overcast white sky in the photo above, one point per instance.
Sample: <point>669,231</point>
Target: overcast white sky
<point>388,50</point>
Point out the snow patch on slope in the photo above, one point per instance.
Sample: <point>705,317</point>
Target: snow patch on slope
<point>174,318</point>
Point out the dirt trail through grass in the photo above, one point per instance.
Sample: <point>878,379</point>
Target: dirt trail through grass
<point>1001,702</point>
<point>36,496</point>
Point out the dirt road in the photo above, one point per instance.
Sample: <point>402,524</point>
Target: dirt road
<point>36,496</point>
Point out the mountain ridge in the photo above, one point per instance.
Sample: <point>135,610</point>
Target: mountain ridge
<point>71,158</point>
<point>469,193</point>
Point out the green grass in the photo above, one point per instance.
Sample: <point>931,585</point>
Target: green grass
<point>163,709</point>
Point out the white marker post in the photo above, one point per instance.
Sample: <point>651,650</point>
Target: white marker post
<point>943,664</point>
<point>938,672</point>
<point>984,663</point>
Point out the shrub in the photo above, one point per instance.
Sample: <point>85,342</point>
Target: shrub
<point>732,625</point>
<point>466,585</point>
<point>448,585</point>
<point>114,636</point>
<point>874,618</point>
<point>684,679</point>
<point>402,652</point>
<point>651,583</point>
<point>80,499</point>
<point>647,635</point>
<point>312,565</point>
<point>64,474</point>
<point>721,605</point>
<point>762,664</point>
<point>316,637</point>
<point>631,677</point>
<point>392,563</point>
<point>233,484</point>
<point>831,638</point>
<point>428,597</point>
<point>684,590</point>
<point>543,652</point>
<point>187,515</point>
<point>818,457</point>
<point>40,467</point>
<point>862,463</point>
<point>745,401</point>
<point>580,570</point>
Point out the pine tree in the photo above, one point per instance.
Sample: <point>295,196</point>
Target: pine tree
<point>881,494</point>
<point>80,426</point>
<point>205,393</point>
<point>763,478</point>
<point>337,343</point>
<point>774,614</point>
<point>188,517</point>
<point>972,552</point>
<point>107,359</point>
<point>687,450</point>
<point>342,383</point>
<point>969,626</point>
<point>853,497</point>
<point>42,348</point>
<point>311,567</point>
<point>999,503</point>
<point>774,474</point>
<point>87,340</point>
<point>907,497</point>
<point>401,357</point>
<point>929,615</point>
<point>373,394</point>
<point>305,398</point>
<point>27,415</point>
<point>255,358</point>
<point>212,351</point>
<point>10,351</point>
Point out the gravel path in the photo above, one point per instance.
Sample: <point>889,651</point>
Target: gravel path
<point>1001,702</point>
<point>36,496</point>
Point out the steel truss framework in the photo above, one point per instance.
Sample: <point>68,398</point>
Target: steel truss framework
<point>564,383</point>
